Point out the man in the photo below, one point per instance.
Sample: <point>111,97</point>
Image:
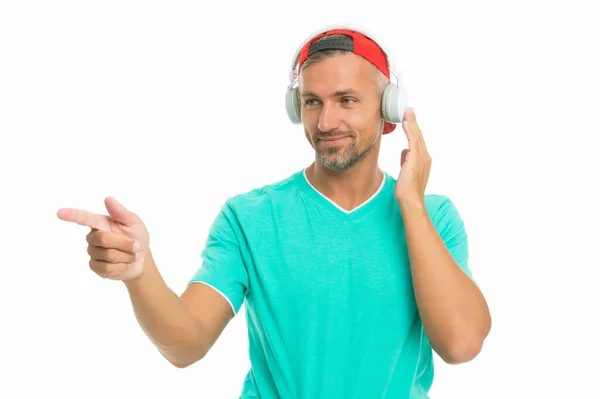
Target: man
<point>351,278</point>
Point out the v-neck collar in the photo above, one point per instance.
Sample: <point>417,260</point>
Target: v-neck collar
<point>367,206</point>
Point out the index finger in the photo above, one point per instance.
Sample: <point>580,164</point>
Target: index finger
<point>84,218</point>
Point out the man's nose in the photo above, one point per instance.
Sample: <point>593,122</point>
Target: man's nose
<point>329,119</point>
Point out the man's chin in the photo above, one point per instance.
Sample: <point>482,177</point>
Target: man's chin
<point>335,162</point>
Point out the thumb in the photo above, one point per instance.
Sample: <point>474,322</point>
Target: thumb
<point>403,156</point>
<point>119,213</point>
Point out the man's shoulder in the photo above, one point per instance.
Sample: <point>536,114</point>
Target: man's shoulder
<point>266,194</point>
<point>441,209</point>
<point>433,202</point>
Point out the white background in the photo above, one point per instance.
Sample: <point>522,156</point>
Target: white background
<point>172,107</point>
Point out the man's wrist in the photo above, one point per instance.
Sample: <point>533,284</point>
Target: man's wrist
<point>145,274</point>
<point>411,204</point>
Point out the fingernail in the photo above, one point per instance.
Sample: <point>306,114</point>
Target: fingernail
<point>136,246</point>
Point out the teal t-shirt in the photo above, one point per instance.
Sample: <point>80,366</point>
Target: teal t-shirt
<point>329,298</point>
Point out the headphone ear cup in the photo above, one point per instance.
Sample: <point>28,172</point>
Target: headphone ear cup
<point>394,103</point>
<point>292,106</point>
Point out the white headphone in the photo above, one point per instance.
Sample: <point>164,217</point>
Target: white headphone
<point>394,102</point>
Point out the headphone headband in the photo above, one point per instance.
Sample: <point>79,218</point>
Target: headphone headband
<point>295,68</point>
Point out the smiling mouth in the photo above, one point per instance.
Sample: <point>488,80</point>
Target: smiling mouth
<point>334,140</point>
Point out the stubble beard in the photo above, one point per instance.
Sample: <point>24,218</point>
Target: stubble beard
<point>341,158</point>
<point>338,158</point>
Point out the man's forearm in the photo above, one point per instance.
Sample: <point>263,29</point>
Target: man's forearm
<point>453,310</point>
<point>164,318</point>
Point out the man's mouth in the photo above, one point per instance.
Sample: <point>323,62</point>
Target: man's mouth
<point>334,140</point>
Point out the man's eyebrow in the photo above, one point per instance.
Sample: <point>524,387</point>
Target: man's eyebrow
<point>338,93</point>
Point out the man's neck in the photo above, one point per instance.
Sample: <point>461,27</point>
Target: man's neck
<point>347,188</point>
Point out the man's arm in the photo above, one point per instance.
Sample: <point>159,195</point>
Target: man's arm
<point>182,328</point>
<point>454,312</point>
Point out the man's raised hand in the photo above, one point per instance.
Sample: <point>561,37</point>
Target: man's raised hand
<point>117,244</point>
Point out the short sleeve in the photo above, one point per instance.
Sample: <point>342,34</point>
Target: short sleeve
<point>222,266</point>
<point>451,228</point>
